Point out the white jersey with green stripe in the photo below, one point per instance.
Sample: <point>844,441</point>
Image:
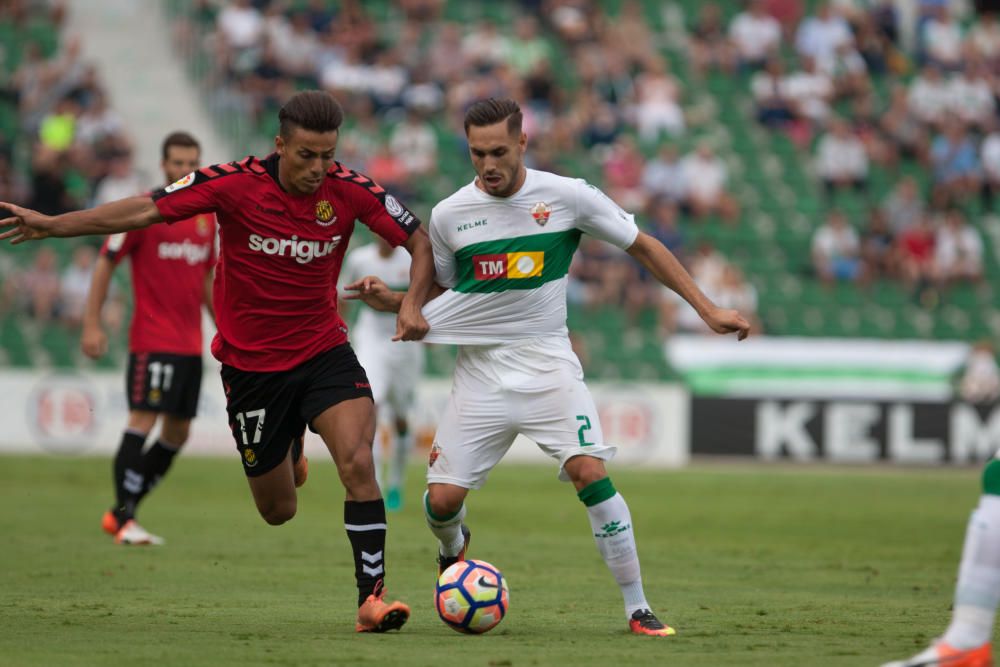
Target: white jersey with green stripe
<point>505,259</point>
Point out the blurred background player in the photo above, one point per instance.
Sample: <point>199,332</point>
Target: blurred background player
<point>393,367</point>
<point>501,297</point>
<point>172,268</point>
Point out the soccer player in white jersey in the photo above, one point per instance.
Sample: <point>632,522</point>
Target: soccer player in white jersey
<point>502,246</point>
<point>968,640</point>
<point>393,366</point>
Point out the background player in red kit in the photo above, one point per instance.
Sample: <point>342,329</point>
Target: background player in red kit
<point>284,224</point>
<point>171,278</point>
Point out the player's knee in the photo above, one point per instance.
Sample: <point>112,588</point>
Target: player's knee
<point>278,512</point>
<point>357,467</point>
<point>444,500</point>
<point>991,478</point>
<point>584,470</point>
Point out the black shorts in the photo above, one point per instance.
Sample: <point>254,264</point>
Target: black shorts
<point>268,410</point>
<point>168,383</point>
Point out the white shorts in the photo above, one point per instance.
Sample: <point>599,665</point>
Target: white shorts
<point>393,369</point>
<point>534,388</point>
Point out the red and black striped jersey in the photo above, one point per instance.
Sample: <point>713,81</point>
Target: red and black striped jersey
<point>275,290</point>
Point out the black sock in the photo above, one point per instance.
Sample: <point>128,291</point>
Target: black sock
<point>365,525</point>
<point>155,463</point>
<point>126,475</point>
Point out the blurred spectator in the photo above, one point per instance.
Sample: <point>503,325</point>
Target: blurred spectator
<point>984,39</point>
<point>122,180</point>
<point>903,128</point>
<point>929,96</point>
<point>48,192</point>
<point>58,129</point>
<point>958,251</point>
<point>972,96</point>
<point>878,246</point>
<point>663,177</point>
<point>657,102</point>
<point>75,284</point>
<point>822,35</point>
<point>36,290</point>
<point>98,123</point>
<point>903,206</point>
<point>836,251</point>
<point>775,107</point>
<point>990,157</point>
<point>811,92</point>
<point>955,164</point>
<point>941,39</point>
<point>980,382</point>
<point>485,46</point>
<point>415,143</point>
<point>708,45</point>
<point>841,160</point>
<point>241,24</point>
<point>705,176</point>
<point>664,227</point>
<point>527,48</point>
<point>916,253</point>
<point>623,167</point>
<point>755,35</point>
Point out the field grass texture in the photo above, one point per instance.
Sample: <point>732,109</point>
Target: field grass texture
<point>753,565</point>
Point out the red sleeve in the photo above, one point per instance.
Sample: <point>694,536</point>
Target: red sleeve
<point>118,246</point>
<point>375,207</point>
<point>207,190</point>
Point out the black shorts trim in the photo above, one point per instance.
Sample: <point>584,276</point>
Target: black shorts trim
<point>268,410</point>
<point>164,383</point>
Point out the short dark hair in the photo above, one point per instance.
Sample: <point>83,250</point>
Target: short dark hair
<point>313,110</point>
<point>178,139</point>
<point>491,111</point>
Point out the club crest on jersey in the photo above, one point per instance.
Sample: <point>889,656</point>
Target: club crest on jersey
<point>182,183</point>
<point>541,212</point>
<point>324,213</point>
<point>201,222</point>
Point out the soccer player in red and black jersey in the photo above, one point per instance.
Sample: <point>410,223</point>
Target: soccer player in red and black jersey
<point>171,279</point>
<point>284,224</point>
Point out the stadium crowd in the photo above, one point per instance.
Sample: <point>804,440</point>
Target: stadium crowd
<point>855,86</point>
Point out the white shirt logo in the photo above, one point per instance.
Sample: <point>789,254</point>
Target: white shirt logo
<point>301,250</point>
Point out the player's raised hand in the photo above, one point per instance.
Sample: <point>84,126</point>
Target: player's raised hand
<point>24,224</point>
<point>723,321</point>
<point>94,342</point>
<point>374,293</point>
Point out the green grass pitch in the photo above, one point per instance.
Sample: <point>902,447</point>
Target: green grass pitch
<point>752,565</point>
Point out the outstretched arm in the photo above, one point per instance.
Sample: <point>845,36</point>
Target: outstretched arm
<point>117,216</point>
<point>659,261</point>
<point>377,295</point>
<point>93,340</point>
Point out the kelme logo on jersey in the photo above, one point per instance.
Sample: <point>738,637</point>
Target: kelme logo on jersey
<point>301,250</point>
<point>182,183</point>
<point>324,213</point>
<point>541,212</point>
<point>508,265</point>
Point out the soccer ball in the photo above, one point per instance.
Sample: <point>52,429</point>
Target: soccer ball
<point>471,596</point>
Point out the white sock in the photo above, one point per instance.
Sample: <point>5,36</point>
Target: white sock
<point>400,455</point>
<point>612,528</point>
<point>978,591</point>
<point>447,530</point>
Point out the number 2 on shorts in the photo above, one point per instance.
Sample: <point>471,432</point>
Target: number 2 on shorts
<point>585,426</point>
<point>259,428</point>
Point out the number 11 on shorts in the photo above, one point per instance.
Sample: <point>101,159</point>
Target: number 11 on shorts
<point>258,415</point>
<point>584,427</point>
